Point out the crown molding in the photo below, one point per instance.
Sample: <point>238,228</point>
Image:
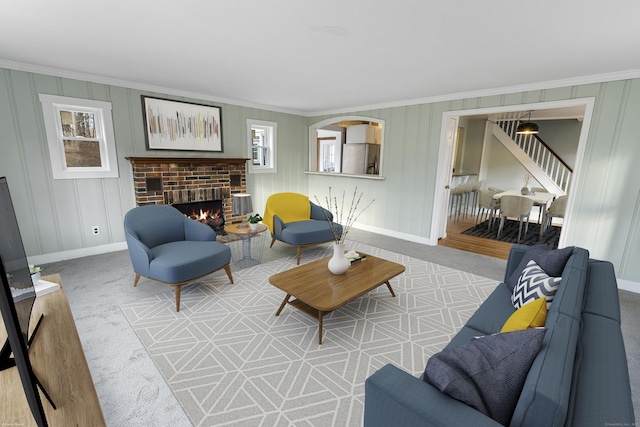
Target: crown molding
<point>551,84</point>
<point>56,72</point>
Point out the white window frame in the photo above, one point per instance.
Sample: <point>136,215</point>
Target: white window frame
<point>51,106</point>
<point>326,146</point>
<point>270,145</point>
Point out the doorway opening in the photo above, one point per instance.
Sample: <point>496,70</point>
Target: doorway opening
<point>490,165</point>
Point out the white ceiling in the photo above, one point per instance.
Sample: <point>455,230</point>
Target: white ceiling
<point>324,56</point>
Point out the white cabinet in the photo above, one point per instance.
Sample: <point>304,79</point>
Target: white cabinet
<point>366,133</point>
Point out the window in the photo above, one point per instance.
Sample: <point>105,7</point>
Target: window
<point>329,147</point>
<point>261,140</point>
<point>80,137</point>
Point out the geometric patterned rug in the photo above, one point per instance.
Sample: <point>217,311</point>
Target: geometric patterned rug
<point>231,362</point>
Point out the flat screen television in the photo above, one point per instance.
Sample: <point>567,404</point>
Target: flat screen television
<point>17,296</point>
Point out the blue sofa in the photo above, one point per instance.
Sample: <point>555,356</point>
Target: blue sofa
<point>578,378</point>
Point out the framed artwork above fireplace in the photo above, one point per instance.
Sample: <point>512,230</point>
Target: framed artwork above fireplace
<point>176,125</point>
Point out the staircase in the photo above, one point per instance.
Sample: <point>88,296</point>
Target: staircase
<point>536,156</point>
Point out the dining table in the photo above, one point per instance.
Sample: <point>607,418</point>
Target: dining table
<point>540,199</point>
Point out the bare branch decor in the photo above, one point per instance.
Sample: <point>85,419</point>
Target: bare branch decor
<point>176,125</point>
<point>331,204</point>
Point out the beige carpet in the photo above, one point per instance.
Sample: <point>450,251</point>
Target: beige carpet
<point>230,361</point>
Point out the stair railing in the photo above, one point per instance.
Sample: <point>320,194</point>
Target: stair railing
<point>544,156</point>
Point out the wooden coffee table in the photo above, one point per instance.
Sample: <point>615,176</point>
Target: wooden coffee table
<point>318,292</point>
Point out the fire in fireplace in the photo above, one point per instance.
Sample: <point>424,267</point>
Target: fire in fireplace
<point>208,212</point>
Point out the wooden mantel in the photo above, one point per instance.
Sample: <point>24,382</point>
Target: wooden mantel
<point>186,160</point>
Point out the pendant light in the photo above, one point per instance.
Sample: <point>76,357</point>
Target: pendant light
<point>527,128</point>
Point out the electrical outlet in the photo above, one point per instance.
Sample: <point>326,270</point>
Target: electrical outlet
<point>95,230</point>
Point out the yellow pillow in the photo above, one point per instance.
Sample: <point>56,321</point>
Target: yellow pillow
<point>530,315</point>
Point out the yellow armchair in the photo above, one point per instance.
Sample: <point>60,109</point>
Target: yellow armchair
<point>293,219</point>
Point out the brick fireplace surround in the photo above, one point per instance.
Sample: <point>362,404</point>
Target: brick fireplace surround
<point>169,180</point>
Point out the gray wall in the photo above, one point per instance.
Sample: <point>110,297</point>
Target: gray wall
<point>504,171</point>
<point>562,136</point>
<point>472,149</point>
<point>56,215</point>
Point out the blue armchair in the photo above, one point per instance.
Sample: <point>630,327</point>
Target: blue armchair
<point>293,219</point>
<point>166,246</point>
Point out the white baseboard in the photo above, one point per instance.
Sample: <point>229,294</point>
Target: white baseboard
<point>628,285</point>
<point>396,234</point>
<point>76,253</point>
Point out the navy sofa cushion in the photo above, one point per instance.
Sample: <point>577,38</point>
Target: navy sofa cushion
<point>552,261</point>
<point>545,396</point>
<point>601,376</point>
<point>396,398</point>
<point>602,296</point>
<point>498,303</point>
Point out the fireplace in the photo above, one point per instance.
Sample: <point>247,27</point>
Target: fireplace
<point>209,212</point>
<point>191,181</point>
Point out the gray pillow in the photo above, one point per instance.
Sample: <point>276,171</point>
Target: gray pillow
<point>488,372</point>
<point>552,261</point>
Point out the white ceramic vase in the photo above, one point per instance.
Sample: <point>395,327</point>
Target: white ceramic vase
<point>35,277</point>
<point>253,226</point>
<point>338,264</point>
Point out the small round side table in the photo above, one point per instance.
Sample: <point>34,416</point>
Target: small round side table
<point>247,249</point>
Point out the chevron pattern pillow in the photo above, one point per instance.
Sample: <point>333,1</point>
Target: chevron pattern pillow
<point>534,283</point>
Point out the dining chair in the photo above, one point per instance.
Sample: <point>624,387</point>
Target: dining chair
<point>460,200</point>
<point>515,207</point>
<point>455,199</point>
<point>488,206</point>
<point>474,193</point>
<point>556,210</point>
<point>542,207</point>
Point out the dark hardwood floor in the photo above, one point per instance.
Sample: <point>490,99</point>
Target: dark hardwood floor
<point>478,245</point>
